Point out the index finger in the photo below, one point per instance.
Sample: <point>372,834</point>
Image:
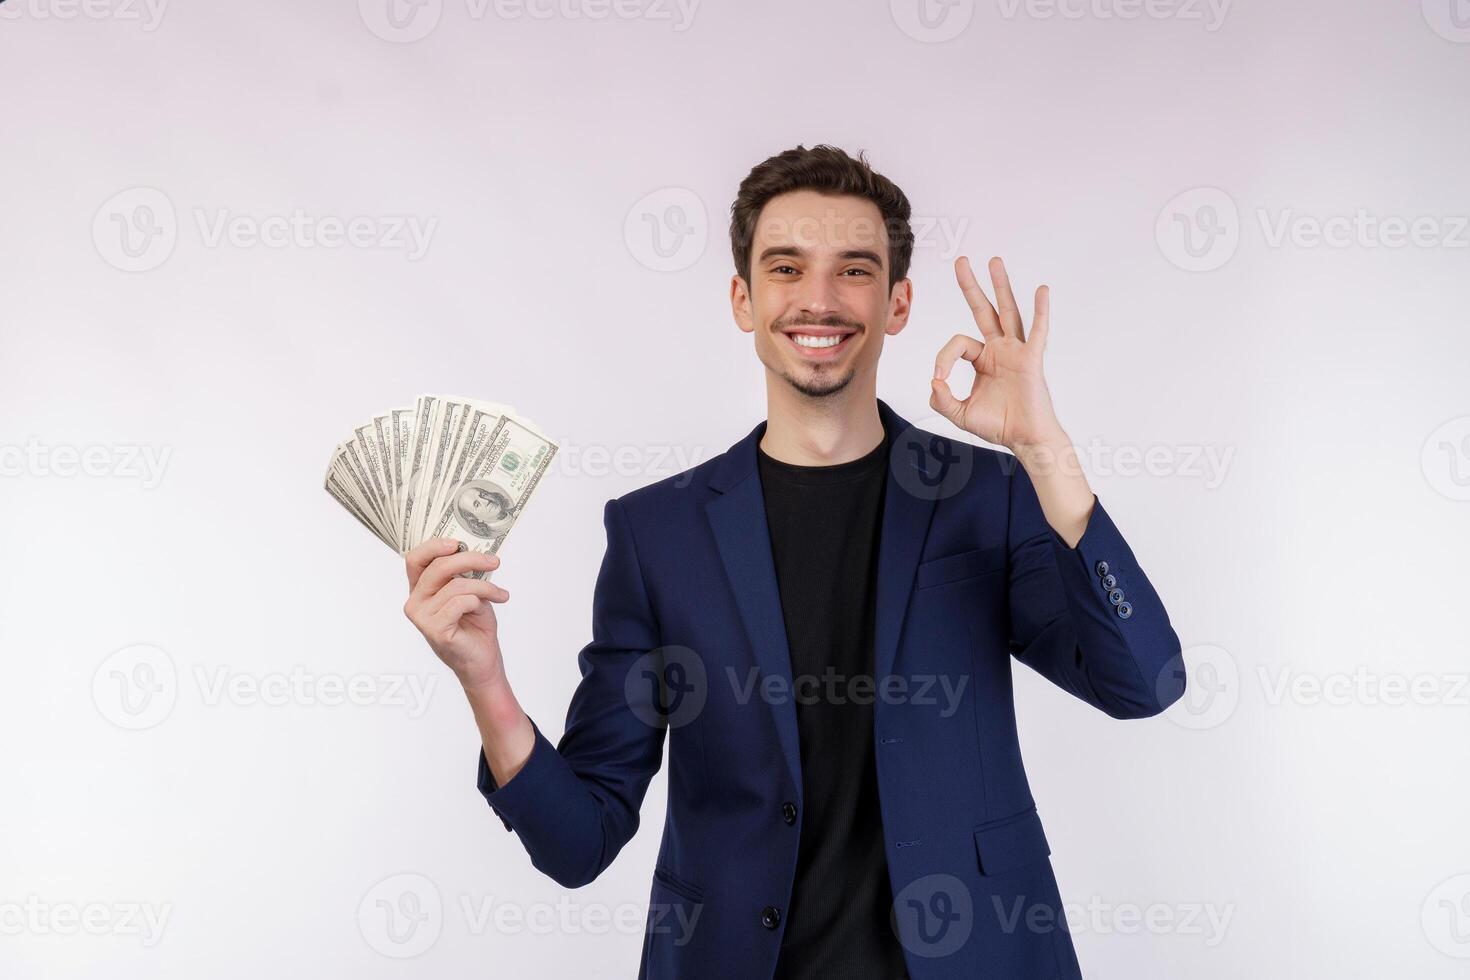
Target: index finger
<point>960,345</point>
<point>417,559</point>
<point>446,567</point>
<point>985,317</point>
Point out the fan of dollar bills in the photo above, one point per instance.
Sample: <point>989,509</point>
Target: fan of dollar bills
<point>446,467</point>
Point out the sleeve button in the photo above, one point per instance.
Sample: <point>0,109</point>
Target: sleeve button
<point>1116,596</point>
<point>1125,609</point>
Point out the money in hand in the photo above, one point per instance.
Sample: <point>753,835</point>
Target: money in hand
<point>444,467</point>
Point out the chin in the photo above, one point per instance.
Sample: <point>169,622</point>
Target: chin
<point>819,384</point>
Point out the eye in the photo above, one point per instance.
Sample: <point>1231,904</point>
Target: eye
<point>783,269</point>
<point>861,272</point>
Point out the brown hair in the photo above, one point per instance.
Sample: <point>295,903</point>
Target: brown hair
<point>828,170</point>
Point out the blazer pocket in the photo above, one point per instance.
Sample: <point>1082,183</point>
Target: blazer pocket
<point>678,885</point>
<point>957,567</point>
<point>1010,843</point>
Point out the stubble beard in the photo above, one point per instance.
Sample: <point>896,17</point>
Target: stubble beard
<point>821,384</point>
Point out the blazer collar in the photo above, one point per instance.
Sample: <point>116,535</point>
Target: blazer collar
<point>738,462</point>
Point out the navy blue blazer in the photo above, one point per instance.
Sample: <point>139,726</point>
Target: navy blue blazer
<point>688,639</point>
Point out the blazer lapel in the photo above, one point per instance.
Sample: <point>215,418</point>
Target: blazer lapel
<point>738,519</point>
<point>914,485</point>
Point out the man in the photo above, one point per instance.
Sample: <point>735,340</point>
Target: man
<point>823,619</point>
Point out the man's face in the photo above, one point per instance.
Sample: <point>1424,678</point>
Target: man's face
<point>818,300</point>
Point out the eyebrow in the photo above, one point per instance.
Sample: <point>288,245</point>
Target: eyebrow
<point>797,252</point>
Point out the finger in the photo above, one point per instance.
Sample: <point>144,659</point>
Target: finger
<point>477,587</point>
<point>442,569</point>
<point>1041,319</point>
<point>943,401</point>
<point>985,317</point>
<point>417,559</point>
<point>454,610</point>
<point>960,345</point>
<point>1005,300</point>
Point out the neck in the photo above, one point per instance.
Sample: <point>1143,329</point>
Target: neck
<point>821,431</point>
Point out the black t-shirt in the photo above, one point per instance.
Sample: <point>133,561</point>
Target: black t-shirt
<point>825,523</point>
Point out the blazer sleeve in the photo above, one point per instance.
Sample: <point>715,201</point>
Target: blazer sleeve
<point>575,805</point>
<point>1087,618</point>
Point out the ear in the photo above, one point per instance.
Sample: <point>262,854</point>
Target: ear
<point>740,305</point>
<point>899,303</point>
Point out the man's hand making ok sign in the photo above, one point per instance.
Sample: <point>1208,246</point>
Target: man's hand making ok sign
<point>1009,404</point>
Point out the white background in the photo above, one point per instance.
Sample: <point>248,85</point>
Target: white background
<point>1327,549</point>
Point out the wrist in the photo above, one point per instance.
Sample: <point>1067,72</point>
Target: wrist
<point>507,736</point>
<point>493,700</point>
<point>1053,453</point>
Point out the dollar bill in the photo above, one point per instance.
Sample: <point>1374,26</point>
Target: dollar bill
<point>477,420</point>
<point>492,493</point>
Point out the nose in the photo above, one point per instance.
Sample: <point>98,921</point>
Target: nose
<point>818,297</point>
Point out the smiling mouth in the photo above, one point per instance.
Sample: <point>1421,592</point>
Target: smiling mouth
<point>819,346</point>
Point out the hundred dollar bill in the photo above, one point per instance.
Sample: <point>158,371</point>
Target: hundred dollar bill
<point>444,414</point>
<point>476,421</point>
<point>400,436</point>
<point>415,467</point>
<point>384,441</point>
<point>370,457</point>
<point>493,490</point>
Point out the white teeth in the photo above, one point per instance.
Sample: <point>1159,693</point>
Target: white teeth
<point>807,340</point>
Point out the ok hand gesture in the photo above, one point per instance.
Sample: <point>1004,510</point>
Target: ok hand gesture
<point>1009,404</point>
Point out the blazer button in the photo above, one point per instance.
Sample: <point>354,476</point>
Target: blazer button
<point>1125,609</point>
<point>1102,568</point>
<point>1110,582</point>
<point>770,917</point>
<point>788,812</point>
<point>1115,596</point>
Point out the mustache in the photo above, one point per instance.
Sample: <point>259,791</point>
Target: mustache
<point>827,321</point>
